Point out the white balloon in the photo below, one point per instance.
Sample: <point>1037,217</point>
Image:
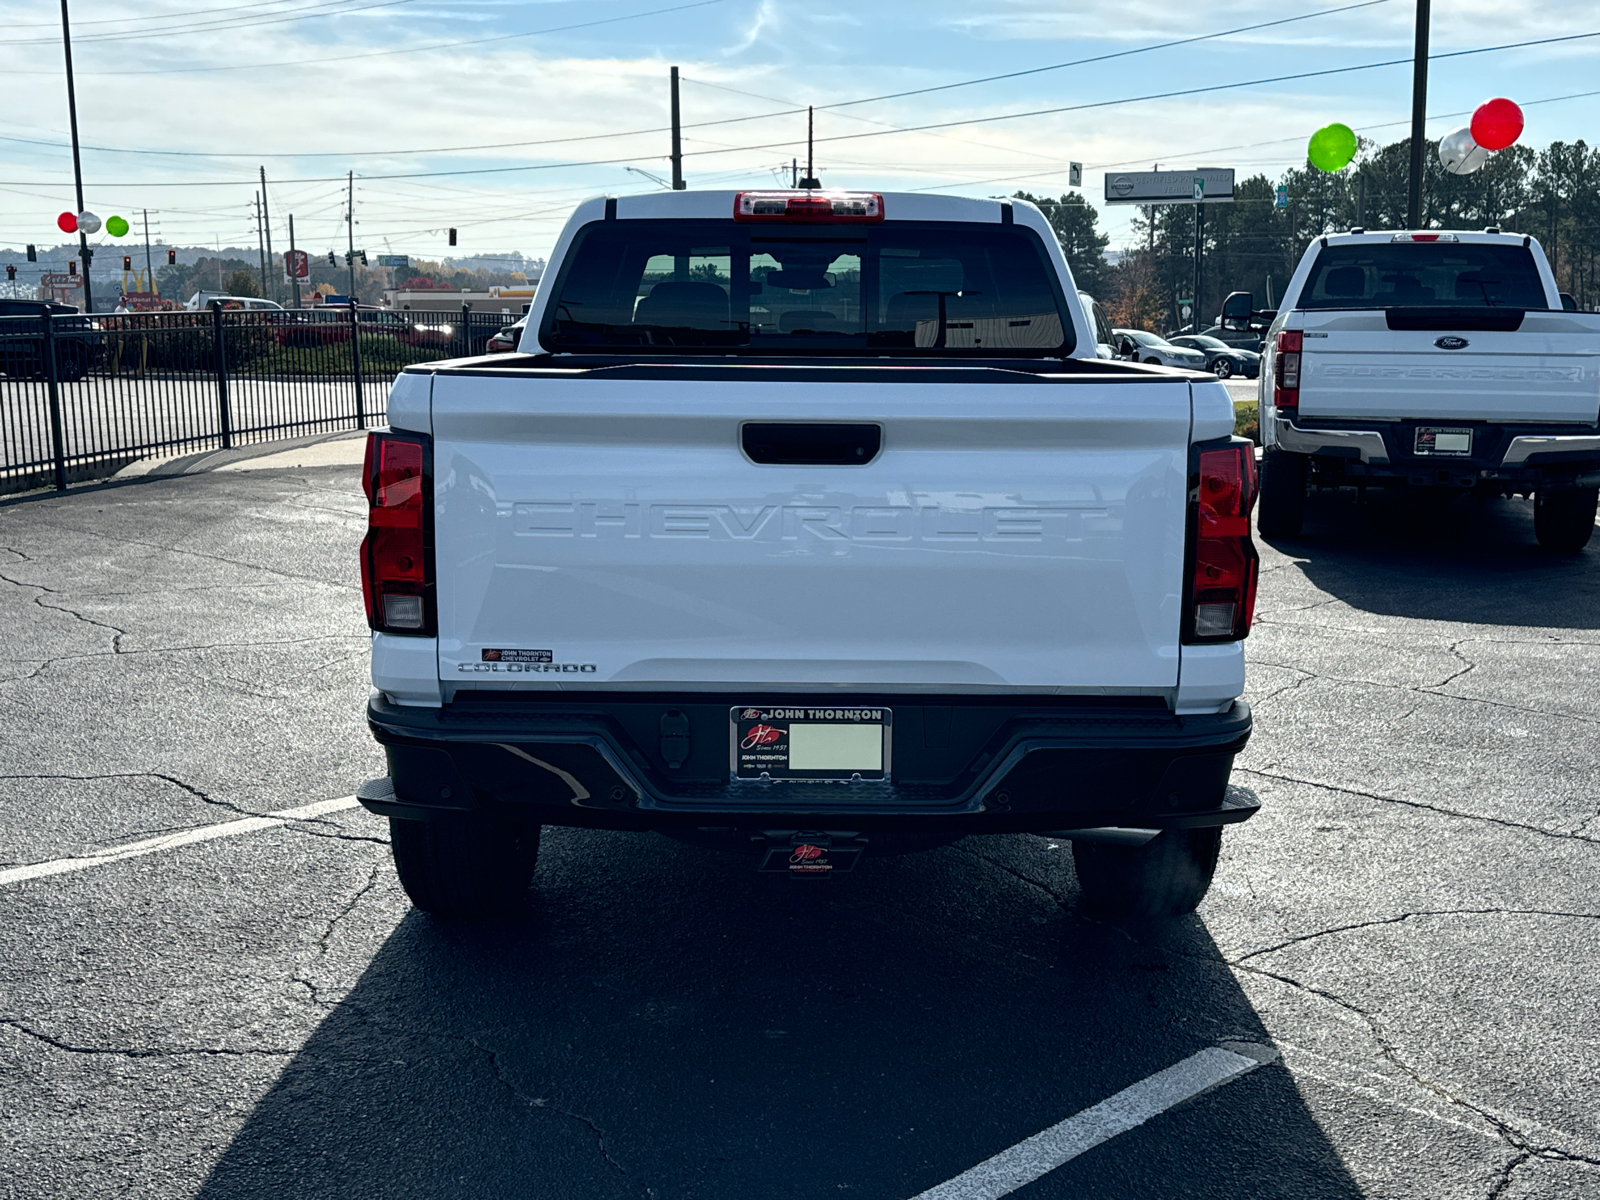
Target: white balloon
<point>88,222</point>
<point>1459,154</point>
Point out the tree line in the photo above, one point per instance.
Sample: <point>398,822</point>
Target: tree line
<point>1252,245</point>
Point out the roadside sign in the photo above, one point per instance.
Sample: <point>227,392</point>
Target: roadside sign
<point>296,265</point>
<point>394,260</point>
<point>1185,309</point>
<point>63,289</point>
<point>1074,174</point>
<point>1281,200</point>
<point>1208,185</point>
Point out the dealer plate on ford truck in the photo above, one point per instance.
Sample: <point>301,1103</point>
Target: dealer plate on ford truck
<point>805,743</point>
<point>1444,443</point>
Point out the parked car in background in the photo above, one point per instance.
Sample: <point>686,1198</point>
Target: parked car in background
<point>1222,360</point>
<point>1103,337</point>
<point>1135,345</point>
<point>22,353</point>
<point>202,300</point>
<point>507,339</point>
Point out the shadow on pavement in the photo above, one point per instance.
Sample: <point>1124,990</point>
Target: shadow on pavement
<point>1438,559</point>
<point>662,1023</point>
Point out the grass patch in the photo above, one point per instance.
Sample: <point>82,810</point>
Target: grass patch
<point>1247,420</point>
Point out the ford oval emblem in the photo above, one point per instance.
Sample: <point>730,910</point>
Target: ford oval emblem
<point>1450,343</point>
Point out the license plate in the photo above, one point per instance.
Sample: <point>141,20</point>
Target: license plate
<point>801,742</point>
<point>1446,443</point>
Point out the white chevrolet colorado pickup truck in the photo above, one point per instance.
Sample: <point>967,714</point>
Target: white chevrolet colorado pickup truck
<point>1439,360</point>
<point>807,524</point>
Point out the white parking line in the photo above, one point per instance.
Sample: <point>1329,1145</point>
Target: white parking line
<point>1129,1108</point>
<point>169,841</point>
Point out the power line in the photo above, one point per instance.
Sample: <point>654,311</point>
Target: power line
<point>233,21</point>
<point>1210,88</point>
<point>345,58</point>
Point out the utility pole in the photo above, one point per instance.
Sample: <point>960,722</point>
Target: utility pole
<point>260,253</point>
<point>677,140</point>
<point>1199,225</point>
<point>294,278</point>
<point>810,181</point>
<point>794,172</point>
<point>1419,104</point>
<point>150,271</point>
<point>350,228</point>
<point>85,255</point>
<point>266,224</point>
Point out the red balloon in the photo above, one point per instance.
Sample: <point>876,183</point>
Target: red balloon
<point>1496,123</point>
<point>67,222</point>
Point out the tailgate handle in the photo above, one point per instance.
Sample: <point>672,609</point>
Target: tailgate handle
<point>811,443</point>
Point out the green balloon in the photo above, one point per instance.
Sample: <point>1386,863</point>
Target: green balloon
<point>1332,147</point>
<point>116,226</point>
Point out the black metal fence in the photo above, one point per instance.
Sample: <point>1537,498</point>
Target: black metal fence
<point>81,397</point>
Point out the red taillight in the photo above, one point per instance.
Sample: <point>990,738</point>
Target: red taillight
<point>849,208</point>
<point>1286,370</point>
<point>394,552</point>
<point>1222,586</point>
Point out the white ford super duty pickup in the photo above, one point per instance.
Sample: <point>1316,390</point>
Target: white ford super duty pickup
<point>1440,360</point>
<point>807,524</point>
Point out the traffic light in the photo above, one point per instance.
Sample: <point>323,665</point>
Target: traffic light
<point>349,257</point>
<point>332,261</point>
<point>452,237</point>
<point>363,254</point>
<point>172,258</point>
<point>72,266</point>
<point>127,262</point>
<point>33,253</point>
<point>11,273</point>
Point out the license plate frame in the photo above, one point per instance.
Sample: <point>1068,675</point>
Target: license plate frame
<point>805,743</point>
<point>1442,441</point>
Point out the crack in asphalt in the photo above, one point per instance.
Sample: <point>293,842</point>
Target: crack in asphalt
<point>302,825</point>
<point>123,540</point>
<point>327,933</point>
<point>148,1051</point>
<point>1503,1181</point>
<point>543,1103</point>
<point>1572,836</point>
<point>118,633</point>
<point>1406,916</point>
<point>1010,870</point>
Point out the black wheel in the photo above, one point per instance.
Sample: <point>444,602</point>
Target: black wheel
<point>464,867</point>
<point>1223,368</point>
<point>1283,493</point>
<point>72,363</point>
<point>1166,877</point>
<point>1563,518</point>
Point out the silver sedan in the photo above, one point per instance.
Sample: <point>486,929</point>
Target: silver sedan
<point>1135,345</point>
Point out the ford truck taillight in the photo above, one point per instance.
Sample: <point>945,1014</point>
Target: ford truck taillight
<point>1286,370</point>
<point>809,205</point>
<point>1222,577</point>
<point>395,571</point>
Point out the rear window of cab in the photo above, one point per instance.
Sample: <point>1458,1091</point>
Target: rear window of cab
<point>1424,274</point>
<point>901,288</point>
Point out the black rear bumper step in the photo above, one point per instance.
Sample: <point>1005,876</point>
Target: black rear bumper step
<point>1040,766</point>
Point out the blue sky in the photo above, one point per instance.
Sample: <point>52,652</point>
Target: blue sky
<point>313,88</point>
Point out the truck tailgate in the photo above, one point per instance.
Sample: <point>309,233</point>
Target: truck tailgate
<point>612,532</point>
<point>1355,366</point>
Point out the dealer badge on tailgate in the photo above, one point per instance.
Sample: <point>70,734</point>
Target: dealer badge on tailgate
<point>809,743</point>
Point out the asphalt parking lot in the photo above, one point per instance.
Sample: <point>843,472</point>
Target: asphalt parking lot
<point>1404,938</point>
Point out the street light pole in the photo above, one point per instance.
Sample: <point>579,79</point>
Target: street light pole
<point>85,255</point>
<point>1419,104</point>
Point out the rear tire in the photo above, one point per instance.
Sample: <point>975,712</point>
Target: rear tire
<point>1166,877</point>
<point>1283,493</point>
<point>1563,518</point>
<point>1223,368</point>
<point>464,868</point>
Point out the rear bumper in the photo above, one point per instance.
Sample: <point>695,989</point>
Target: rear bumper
<point>962,765</point>
<point>1503,455</point>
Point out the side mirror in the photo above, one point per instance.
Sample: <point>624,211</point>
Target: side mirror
<point>1236,310</point>
<point>1568,304</point>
